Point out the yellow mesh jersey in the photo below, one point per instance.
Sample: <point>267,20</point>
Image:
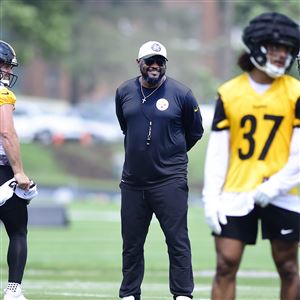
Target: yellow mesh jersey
<point>7,96</point>
<point>260,126</point>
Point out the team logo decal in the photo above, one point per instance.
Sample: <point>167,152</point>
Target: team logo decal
<point>162,104</point>
<point>155,47</point>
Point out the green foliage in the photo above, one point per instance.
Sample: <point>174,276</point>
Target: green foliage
<point>246,10</point>
<point>37,27</point>
<point>97,41</point>
<point>40,164</point>
<point>92,166</point>
<point>70,165</point>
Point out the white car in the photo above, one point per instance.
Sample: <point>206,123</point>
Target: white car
<point>100,120</point>
<point>32,123</point>
<point>24,121</point>
<point>103,131</point>
<point>58,128</point>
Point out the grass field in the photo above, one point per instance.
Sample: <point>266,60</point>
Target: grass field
<point>56,161</point>
<point>83,260</point>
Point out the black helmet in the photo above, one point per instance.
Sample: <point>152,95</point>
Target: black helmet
<point>270,27</point>
<point>7,56</point>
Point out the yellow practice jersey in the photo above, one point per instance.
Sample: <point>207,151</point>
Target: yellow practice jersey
<point>7,96</point>
<point>260,127</point>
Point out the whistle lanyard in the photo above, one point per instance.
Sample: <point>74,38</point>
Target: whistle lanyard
<point>149,117</point>
<point>144,104</point>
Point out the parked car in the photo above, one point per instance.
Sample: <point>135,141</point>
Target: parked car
<point>24,120</point>
<point>58,128</point>
<point>100,120</point>
<point>36,124</point>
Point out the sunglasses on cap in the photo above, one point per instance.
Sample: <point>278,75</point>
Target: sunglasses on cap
<point>159,60</point>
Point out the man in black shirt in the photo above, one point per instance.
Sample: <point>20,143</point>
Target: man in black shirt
<point>161,121</point>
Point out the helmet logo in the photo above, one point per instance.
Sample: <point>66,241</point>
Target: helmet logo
<point>155,47</point>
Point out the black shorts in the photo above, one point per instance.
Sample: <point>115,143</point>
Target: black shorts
<point>276,224</point>
<point>14,206</point>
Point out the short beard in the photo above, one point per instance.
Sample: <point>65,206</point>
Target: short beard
<point>152,80</point>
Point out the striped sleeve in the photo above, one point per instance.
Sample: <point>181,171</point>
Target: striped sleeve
<point>220,121</point>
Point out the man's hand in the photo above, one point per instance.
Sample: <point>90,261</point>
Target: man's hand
<point>27,194</point>
<point>23,181</point>
<point>213,215</point>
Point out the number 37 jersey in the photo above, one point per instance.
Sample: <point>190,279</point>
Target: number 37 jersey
<point>260,128</point>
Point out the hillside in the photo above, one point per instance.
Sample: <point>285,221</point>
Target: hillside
<point>91,165</point>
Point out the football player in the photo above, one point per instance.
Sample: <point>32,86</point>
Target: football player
<point>252,164</point>
<point>13,212</point>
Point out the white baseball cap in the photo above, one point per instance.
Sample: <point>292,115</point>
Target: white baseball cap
<point>152,48</point>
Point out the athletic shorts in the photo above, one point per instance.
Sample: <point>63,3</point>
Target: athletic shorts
<point>14,203</point>
<point>276,224</point>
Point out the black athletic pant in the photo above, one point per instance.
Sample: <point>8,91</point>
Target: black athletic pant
<point>169,203</point>
<point>14,216</point>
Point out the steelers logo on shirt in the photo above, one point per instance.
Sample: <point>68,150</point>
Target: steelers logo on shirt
<point>162,104</point>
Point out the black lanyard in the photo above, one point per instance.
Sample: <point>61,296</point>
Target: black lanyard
<point>149,117</point>
<point>143,103</point>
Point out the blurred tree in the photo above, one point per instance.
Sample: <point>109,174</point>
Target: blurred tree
<point>246,10</point>
<point>97,41</point>
<point>37,27</point>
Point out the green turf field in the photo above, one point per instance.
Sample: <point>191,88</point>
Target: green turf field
<point>83,261</point>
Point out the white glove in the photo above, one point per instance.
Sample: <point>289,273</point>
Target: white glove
<point>10,187</point>
<point>7,190</point>
<point>264,194</point>
<point>214,215</point>
<point>27,194</point>
<point>261,198</point>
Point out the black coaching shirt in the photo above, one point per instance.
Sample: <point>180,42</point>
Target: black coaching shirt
<point>176,125</point>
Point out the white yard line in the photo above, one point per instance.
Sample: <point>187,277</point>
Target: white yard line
<point>93,290</point>
<point>203,273</point>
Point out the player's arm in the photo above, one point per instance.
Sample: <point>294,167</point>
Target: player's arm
<point>217,153</point>
<point>216,163</point>
<point>215,169</point>
<point>10,143</point>
<point>284,180</point>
